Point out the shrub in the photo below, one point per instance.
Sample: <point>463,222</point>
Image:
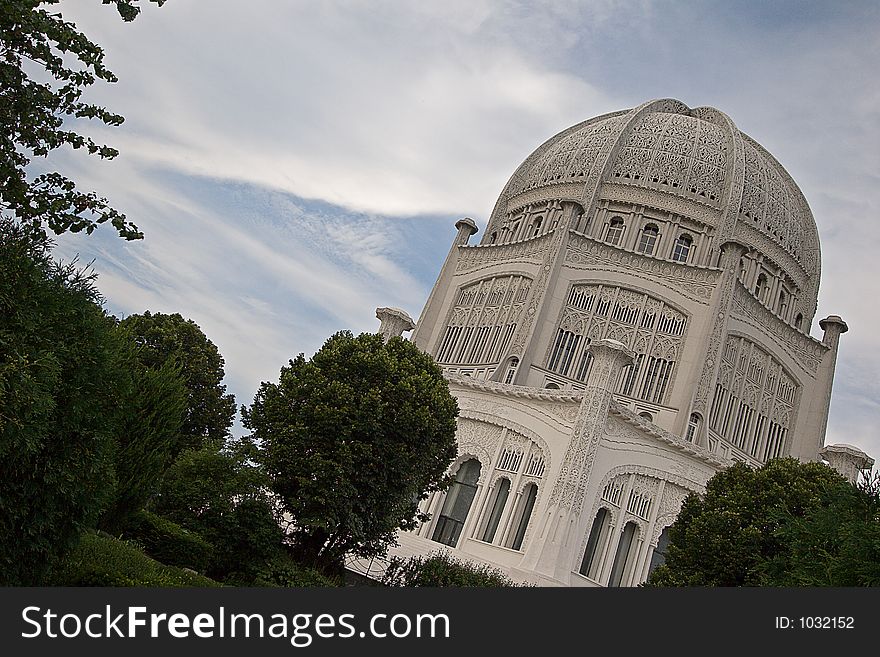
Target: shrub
<point>286,573</point>
<point>102,560</point>
<point>168,542</point>
<point>440,569</point>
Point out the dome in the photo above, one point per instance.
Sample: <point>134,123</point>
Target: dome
<point>693,162</point>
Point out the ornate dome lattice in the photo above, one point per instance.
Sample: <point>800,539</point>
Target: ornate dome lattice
<point>691,154</point>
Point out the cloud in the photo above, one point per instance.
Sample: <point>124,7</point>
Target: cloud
<point>294,164</point>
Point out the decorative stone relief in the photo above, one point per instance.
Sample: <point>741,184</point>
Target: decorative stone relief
<point>478,438</point>
<point>532,250</point>
<point>804,349</point>
<point>730,265</point>
<point>695,283</point>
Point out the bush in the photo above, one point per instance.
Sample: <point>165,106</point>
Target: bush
<point>443,570</point>
<point>167,542</point>
<point>222,497</point>
<point>101,560</point>
<point>285,573</point>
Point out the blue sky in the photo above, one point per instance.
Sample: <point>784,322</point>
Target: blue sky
<point>294,165</point>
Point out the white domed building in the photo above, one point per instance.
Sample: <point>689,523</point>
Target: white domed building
<point>636,317</point>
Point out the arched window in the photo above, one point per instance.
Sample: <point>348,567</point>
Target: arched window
<point>782,303</point>
<point>615,231</point>
<point>499,499</point>
<point>511,370</point>
<point>522,515</point>
<point>623,557</point>
<point>693,427</point>
<point>493,237</point>
<point>682,248</point>
<point>799,322</point>
<point>658,556</point>
<point>647,416</point>
<point>648,239</point>
<point>536,226</point>
<point>457,503</point>
<point>595,543</point>
<point>761,286</point>
<point>552,385</point>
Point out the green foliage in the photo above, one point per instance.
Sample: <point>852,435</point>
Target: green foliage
<point>739,533</point>
<point>168,542</point>
<point>46,66</point>
<point>352,440</point>
<point>59,374</point>
<point>838,544</point>
<point>147,435</point>
<point>101,560</point>
<point>223,497</point>
<point>440,569</point>
<point>283,572</point>
<point>172,340</point>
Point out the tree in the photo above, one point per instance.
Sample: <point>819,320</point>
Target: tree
<point>739,533</point>
<point>46,65</point>
<point>221,495</point>
<point>171,339</point>
<point>147,433</point>
<point>352,440</point>
<point>836,545</point>
<point>59,372</point>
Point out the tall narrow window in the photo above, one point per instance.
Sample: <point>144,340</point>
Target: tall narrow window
<point>648,239</point>
<point>615,231</point>
<point>799,322</point>
<point>782,303</point>
<point>536,226</point>
<point>761,286</point>
<point>493,237</point>
<point>499,499</point>
<point>623,557</point>
<point>457,504</point>
<point>595,543</point>
<point>522,515</point>
<point>511,370</point>
<point>693,427</point>
<point>682,248</point>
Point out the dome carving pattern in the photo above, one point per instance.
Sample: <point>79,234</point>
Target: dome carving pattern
<point>683,153</point>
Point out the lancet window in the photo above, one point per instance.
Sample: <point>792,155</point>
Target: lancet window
<point>483,320</point>
<point>519,468</point>
<point>755,400</point>
<point>647,325</point>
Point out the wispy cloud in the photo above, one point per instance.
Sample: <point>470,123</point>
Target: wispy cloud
<point>296,164</point>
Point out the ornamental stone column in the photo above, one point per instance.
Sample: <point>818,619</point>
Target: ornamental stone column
<point>816,406</point>
<point>551,550</point>
<point>429,319</point>
<point>393,322</point>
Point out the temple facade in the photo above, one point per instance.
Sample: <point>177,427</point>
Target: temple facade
<point>636,316</point>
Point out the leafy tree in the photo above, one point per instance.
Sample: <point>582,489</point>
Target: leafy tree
<point>838,544</point>
<point>147,434</point>
<point>223,496</point>
<point>46,64</point>
<point>59,370</point>
<point>170,339</point>
<point>739,533</point>
<point>352,440</point>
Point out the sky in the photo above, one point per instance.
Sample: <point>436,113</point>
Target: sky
<point>295,165</point>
